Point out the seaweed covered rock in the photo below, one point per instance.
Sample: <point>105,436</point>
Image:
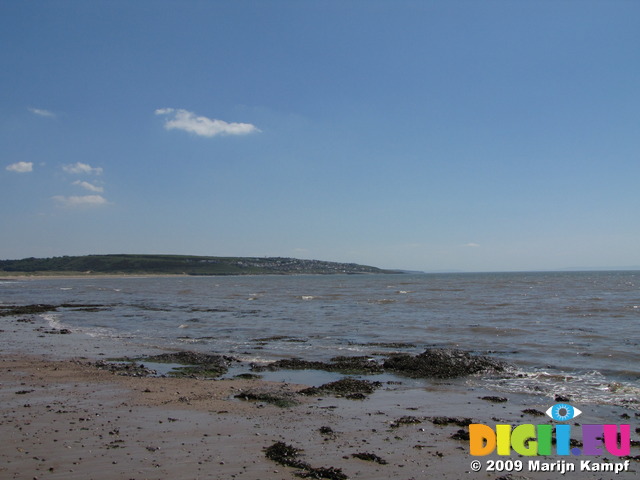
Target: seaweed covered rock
<point>190,358</point>
<point>442,363</point>
<point>347,365</point>
<point>196,364</point>
<point>9,310</point>
<point>127,369</point>
<point>350,388</point>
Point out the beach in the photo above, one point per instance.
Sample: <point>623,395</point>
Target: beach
<point>68,419</point>
<point>64,417</point>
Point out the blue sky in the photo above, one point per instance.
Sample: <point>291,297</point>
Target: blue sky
<point>426,135</point>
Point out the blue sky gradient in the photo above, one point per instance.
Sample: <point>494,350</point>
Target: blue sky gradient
<point>425,135</point>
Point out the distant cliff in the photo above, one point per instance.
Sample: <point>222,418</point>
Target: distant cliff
<point>181,264</point>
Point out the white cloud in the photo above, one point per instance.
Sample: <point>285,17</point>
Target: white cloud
<point>189,122</point>
<point>89,186</point>
<point>42,113</point>
<point>80,201</point>
<point>471,245</point>
<point>20,167</point>
<point>82,168</point>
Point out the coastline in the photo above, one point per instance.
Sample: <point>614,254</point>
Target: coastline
<point>67,419</point>
<point>10,276</point>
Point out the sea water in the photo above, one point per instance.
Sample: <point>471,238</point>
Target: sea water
<point>564,332</point>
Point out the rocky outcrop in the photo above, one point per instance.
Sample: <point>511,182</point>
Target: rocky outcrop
<point>442,363</point>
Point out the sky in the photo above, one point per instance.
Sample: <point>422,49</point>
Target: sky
<point>423,135</point>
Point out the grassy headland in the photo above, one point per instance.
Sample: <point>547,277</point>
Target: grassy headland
<point>179,265</point>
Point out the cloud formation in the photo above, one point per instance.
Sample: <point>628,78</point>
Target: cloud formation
<point>206,127</point>
<point>20,167</point>
<point>80,201</point>
<point>42,113</point>
<point>77,201</point>
<point>89,186</point>
<point>82,168</point>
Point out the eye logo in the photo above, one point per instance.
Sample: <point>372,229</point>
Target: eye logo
<point>562,412</point>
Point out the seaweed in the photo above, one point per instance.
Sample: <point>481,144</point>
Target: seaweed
<point>461,435</point>
<point>533,412</point>
<point>282,400</point>
<point>494,399</point>
<point>369,457</point>
<point>406,420</point>
<point>287,455</point>
<point>459,421</point>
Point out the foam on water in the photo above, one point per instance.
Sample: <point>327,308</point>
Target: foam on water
<point>582,388</point>
<point>53,321</point>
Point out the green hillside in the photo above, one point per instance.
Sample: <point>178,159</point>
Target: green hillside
<point>180,264</point>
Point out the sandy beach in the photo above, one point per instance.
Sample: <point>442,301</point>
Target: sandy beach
<point>64,418</point>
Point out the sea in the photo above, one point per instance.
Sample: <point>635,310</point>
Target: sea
<point>568,333</point>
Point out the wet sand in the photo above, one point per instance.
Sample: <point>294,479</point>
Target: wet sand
<point>62,418</point>
<point>66,419</point>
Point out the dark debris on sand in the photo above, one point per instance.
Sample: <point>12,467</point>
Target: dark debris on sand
<point>442,363</point>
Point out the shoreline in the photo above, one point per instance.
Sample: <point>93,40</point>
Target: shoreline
<point>11,276</point>
<point>68,419</point>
